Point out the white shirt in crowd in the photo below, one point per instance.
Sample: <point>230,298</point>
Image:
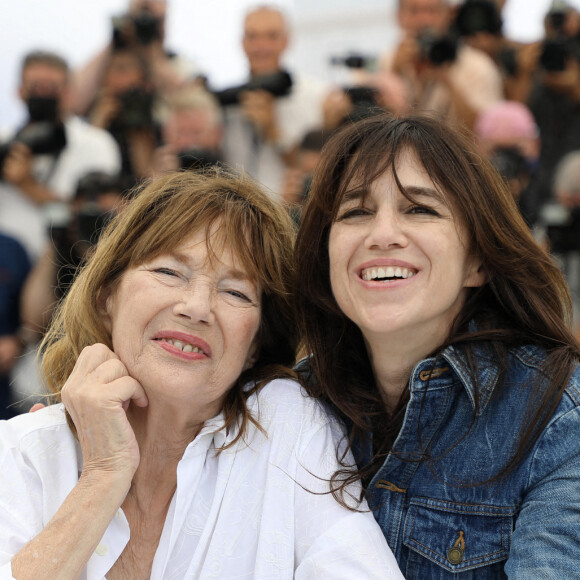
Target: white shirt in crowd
<point>296,114</point>
<point>245,513</point>
<point>88,148</point>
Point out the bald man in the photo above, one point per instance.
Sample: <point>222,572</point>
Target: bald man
<point>262,130</point>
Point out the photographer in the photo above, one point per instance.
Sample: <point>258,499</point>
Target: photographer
<point>443,74</point>
<point>508,135</point>
<point>42,162</point>
<point>141,31</point>
<point>559,226</point>
<point>272,112</point>
<point>192,134</point>
<point>124,106</point>
<point>98,196</point>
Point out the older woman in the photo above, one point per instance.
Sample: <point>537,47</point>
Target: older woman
<point>436,327</point>
<point>169,456</point>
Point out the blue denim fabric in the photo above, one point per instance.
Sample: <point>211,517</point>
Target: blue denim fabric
<point>440,525</point>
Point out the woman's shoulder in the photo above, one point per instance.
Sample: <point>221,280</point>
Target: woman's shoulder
<point>41,429</point>
<point>286,400</point>
<point>534,358</point>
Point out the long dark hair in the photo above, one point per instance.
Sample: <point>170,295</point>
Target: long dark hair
<point>524,301</point>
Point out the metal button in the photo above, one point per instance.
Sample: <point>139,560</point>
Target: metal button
<point>455,555</point>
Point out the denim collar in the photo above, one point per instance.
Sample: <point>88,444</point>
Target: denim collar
<point>487,372</point>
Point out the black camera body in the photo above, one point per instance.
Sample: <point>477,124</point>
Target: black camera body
<point>278,84</point>
<point>146,26</point>
<point>437,49</point>
<point>136,110</point>
<point>196,159</point>
<point>41,137</point>
<point>555,53</point>
<point>475,16</point>
<point>354,61</point>
<point>565,237</point>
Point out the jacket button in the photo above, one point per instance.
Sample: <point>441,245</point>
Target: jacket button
<point>455,555</point>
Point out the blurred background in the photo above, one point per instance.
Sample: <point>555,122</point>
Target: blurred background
<point>209,33</point>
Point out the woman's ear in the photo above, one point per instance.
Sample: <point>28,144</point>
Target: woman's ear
<point>476,275</point>
<point>103,307</point>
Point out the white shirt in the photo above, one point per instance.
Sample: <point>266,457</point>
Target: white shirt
<point>87,149</point>
<point>296,114</point>
<point>239,514</point>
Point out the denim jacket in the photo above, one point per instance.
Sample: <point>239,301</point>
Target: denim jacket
<point>437,522</point>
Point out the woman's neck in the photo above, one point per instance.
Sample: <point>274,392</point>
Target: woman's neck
<point>393,359</point>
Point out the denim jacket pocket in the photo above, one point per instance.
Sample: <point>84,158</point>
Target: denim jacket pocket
<point>457,536</point>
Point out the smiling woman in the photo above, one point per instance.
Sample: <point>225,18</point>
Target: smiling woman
<point>189,450</point>
<point>438,329</point>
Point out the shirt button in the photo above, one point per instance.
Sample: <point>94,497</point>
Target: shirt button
<point>101,550</point>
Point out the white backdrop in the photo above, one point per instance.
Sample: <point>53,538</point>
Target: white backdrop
<point>207,32</point>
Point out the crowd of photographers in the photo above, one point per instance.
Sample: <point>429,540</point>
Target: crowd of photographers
<point>137,109</point>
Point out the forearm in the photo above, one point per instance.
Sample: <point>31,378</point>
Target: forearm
<point>37,192</point>
<point>63,548</point>
<point>85,82</point>
<point>38,295</point>
<point>464,110</point>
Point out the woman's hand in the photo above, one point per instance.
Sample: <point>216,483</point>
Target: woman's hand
<point>97,395</point>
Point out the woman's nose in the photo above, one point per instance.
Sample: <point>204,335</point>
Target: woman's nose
<point>386,230</point>
<point>197,304</point>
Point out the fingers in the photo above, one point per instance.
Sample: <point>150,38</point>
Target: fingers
<point>99,377</point>
<point>97,395</point>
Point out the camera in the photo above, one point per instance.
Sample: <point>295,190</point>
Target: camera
<point>136,111</point>
<point>42,138</point>
<point>146,26</point>
<point>555,54</point>
<point>509,162</point>
<point>437,49</point>
<point>355,61</point>
<point>278,84</point>
<point>478,16</point>
<point>556,16</point>
<point>195,159</point>
<point>565,237</point>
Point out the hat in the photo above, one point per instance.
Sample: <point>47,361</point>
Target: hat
<point>506,119</point>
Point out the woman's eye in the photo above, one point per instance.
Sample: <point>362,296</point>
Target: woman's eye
<point>165,271</point>
<point>238,294</point>
<point>422,209</point>
<point>353,213</point>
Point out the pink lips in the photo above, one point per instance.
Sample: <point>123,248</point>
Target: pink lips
<point>185,338</point>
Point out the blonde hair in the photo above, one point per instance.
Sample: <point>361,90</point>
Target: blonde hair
<point>170,208</point>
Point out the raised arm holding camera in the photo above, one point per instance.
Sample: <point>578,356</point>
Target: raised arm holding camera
<point>140,30</point>
<point>266,118</point>
<point>442,73</point>
<point>43,161</point>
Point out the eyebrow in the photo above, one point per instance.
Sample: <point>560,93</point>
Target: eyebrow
<point>360,193</point>
<point>231,273</point>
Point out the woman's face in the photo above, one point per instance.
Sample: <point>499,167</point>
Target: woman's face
<point>399,269</point>
<point>185,327</point>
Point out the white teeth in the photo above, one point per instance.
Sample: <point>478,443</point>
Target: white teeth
<point>386,272</point>
<point>183,346</point>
